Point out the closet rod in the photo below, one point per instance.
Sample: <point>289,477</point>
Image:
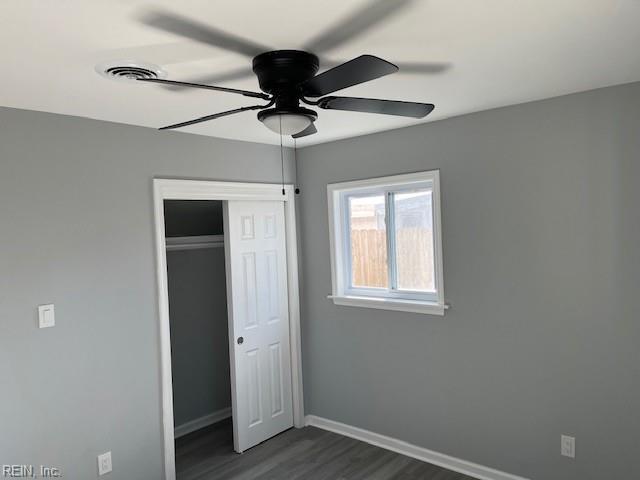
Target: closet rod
<point>194,242</point>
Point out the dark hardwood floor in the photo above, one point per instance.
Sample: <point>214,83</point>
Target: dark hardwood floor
<point>306,454</point>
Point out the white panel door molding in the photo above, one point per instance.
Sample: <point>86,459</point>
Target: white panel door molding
<point>256,256</point>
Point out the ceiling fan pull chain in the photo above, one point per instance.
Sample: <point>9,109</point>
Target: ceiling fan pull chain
<point>295,164</point>
<point>281,154</point>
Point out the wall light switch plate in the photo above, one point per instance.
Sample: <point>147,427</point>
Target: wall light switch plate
<point>46,316</point>
<point>568,446</point>
<point>104,463</point>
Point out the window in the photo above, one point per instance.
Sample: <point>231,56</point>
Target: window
<point>385,243</point>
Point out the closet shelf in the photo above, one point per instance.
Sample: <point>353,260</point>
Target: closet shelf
<point>194,242</point>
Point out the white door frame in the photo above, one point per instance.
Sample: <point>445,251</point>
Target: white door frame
<point>170,189</point>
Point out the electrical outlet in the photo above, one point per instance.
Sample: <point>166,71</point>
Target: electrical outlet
<point>104,463</point>
<point>568,446</point>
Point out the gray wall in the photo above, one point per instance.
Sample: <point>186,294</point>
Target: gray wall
<point>541,231</point>
<point>199,333</point>
<point>76,229</point>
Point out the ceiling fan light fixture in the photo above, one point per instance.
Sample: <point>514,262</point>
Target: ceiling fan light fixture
<point>287,122</point>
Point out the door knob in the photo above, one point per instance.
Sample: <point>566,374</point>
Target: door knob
<point>240,340</point>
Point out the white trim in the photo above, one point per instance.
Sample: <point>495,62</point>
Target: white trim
<point>165,338</point>
<point>437,236</point>
<point>194,242</point>
<point>399,305</point>
<point>293,287</point>
<point>205,190</point>
<point>341,292</point>
<point>170,189</point>
<point>392,180</point>
<point>204,421</point>
<point>440,459</point>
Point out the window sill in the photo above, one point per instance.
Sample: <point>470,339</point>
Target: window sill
<point>426,308</point>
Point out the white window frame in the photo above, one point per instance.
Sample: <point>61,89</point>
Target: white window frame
<point>342,291</point>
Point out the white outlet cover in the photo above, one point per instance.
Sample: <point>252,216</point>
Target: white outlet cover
<point>104,463</point>
<point>46,316</point>
<point>568,446</point>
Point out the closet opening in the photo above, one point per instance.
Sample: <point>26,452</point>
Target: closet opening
<point>200,365</point>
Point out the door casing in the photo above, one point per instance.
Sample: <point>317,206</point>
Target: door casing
<point>175,189</point>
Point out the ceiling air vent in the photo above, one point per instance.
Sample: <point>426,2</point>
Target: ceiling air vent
<point>132,73</point>
<point>129,71</point>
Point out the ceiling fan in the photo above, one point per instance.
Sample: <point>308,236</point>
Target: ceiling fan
<point>288,78</point>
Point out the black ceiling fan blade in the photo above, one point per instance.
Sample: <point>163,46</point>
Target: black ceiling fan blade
<point>186,27</point>
<point>416,68</point>
<point>423,67</point>
<point>359,70</point>
<point>355,24</point>
<point>228,76</point>
<point>310,130</point>
<point>373,105</point>
<point>214,116</point>
<point>246,93</point>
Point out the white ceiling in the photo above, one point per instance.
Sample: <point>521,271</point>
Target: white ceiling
<point>500,52</point>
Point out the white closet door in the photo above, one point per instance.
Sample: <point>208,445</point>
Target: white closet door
<point>255,252</point>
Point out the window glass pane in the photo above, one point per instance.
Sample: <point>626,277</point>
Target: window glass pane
<point>413,221</point>
<point>368,237</point>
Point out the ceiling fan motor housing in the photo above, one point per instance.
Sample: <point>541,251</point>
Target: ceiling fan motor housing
<point>281,71</point>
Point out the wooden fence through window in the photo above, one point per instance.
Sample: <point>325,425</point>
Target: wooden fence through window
<point>414,253</point>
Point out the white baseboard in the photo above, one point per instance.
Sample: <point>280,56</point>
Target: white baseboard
<point>201,422</point>
<point>445,461</point>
